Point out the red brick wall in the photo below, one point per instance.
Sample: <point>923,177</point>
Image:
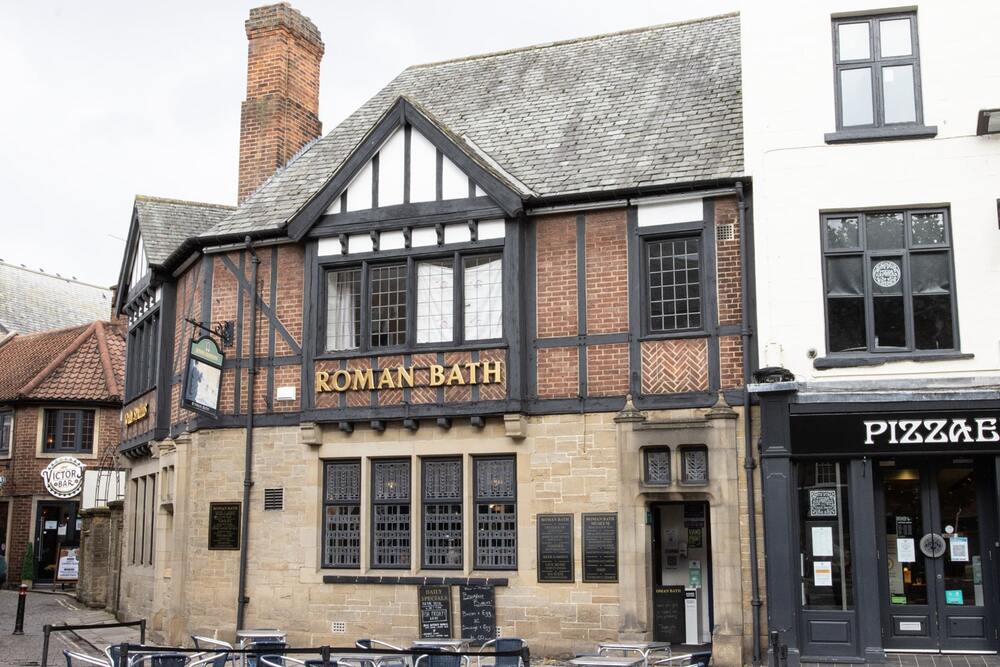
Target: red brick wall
<point>607,369</point>
<point>555,276</point>
<point>731,362</point>
<point>674,366</point>
<point>606,253</point>
<point>558,372</point>
<point>728,262</point>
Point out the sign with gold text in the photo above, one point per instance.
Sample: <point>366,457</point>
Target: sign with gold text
<point>138,413</point>
<point>401,377</point>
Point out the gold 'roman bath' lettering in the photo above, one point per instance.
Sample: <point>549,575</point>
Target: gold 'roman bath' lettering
<point>398,377</point>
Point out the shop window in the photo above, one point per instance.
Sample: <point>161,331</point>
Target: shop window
<point>656,466</point>
<point>342,514</point>
<point>142,356</point>
<point>391,514</point>
<point>694,465</point>
<point>888,282</point>
<point>496,513</point>
<point>68,431</point>
<point>143,519</point>
<point>825,535</point>
<point>673,285</point>
<point>6,432</point>
<point>442,513</point>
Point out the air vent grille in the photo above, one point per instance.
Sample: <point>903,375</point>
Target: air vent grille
<point>274,500</point>
<point>338,627</point>
<point>725,232</point>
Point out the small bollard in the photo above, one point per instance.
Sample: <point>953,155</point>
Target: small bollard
<point>22,595</point>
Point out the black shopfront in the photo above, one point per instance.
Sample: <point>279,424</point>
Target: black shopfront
<point>885,515</point>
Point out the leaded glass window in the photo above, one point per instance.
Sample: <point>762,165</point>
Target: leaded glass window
<point>496,513</point>
<point>342,514</point>
<point>694,462</point>
<point>391,514</point>
<point>657,465</point>
<point>442,515</point>
<point>343,309</point>
<point>483,290</point>
<point>673,283</point>
<point>435,301</point>
<point>388,305</point>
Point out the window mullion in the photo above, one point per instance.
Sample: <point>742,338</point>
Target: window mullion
<point>458,296</point>
<point>411,302</point>
<point>366,332</point>
<point>908,302</point>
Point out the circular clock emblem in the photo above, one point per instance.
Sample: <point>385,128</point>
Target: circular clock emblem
<point>886,273</point>
<point>932,545</point>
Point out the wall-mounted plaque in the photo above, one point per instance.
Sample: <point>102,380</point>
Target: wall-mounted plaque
<point>477,605</point>
<point>600,547</point>
<point>555,548</point>
<point>224,526</point>
<point>435,611</point>
<point>668,614</point>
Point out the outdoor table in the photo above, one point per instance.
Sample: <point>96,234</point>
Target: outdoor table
<point>444,644</point>
<point>258,635</point>
<point>606,661</point>
<point>678,659</point>
<point>642,648</point>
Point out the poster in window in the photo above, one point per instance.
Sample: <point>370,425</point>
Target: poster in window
<point>203,377</point>
<point>822,541</point>
<point>959,549</point>
<point>822,502</point>
<point>822,573</point>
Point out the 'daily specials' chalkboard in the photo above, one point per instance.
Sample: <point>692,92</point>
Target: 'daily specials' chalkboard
<point>600,547</point>
<point>668,614</point>
<point>224,526</point>
<point>435,612</point>
<point>555,548</point>
<point>477,605</point>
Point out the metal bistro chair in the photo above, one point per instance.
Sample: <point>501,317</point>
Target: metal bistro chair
<point>159,660</point>
<point>288,661</point>
<point>268,648</point>
<point>441,660</point>
<point>212,644</point>
<point>373,644</point>
<point>74,659</point>
<point>503,644</point>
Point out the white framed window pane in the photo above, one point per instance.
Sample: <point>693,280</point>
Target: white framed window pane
<point>894,38</point>
<point>483,297</point>
<point>343,309</point>
<point>435,301</point>
<point>897,94</point>
<point>853,41</point>
<point>856,96</point>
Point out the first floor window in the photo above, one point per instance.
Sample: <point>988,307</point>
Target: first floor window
<point>889,281</point>
<point>342,514</point>
<point>442,516</point>
<point>673,285</point>
<point>343,309</point>
<point>495,512</point>
<point>6,432</point>
<point>435,300</point>
<point>483,288</point>
<point>824,535</point>
<point>68,431</point>
<point>391,513</point>
<point>387,305</point>
<point>142,355</point>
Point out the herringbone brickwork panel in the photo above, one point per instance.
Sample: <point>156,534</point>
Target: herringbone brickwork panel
<point>674,366</point>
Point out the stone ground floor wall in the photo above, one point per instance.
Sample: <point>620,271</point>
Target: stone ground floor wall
<point>564,464</point>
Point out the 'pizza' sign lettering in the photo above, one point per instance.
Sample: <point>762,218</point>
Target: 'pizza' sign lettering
<point>931,431</point>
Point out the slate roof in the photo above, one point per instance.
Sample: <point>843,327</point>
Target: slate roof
<point>32,301</point>
<point>654,106</point>
<point>166,223</point>
<point>81,363</point>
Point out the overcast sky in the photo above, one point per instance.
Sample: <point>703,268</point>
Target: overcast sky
<point>106,100</point>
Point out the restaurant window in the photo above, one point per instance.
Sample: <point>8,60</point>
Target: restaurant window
<point>342,514</point>
<point>824,535</point>
<point>495,513</point>
<point>6,432</point>
<point>391,514</point>
<point>877,71</point>
<point>343,309</point>
<point>673,285</point>
<point>888,282</point>
<point>483,288</point>
<point>68,431</point>
<point>656,465</point>
<point>141,356</point>
<point>442,513</point>
<point>387,305</point>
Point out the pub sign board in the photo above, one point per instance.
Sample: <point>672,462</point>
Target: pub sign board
<point>600,547</point>
<point>896,433</point>
<point>203,377</point>
<point>555,548</point>
<point>224,526</point>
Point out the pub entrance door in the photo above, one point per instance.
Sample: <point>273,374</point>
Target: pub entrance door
<point>682,572</point>
<point>55,529</point>
<point>936,541</point>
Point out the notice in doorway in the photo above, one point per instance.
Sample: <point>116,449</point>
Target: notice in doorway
<point>906,550</point>
<point>670,536</point>
<point>954,596</point>
<point>69,565</point>
<point>822,537</point>
<point>959,549</point>
<point>822,573</point>
<point>61,532</point>
<point>51,525</point>
<point>694,574</point>
<point>694,538</point>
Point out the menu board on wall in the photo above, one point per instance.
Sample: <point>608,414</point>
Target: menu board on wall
<point>600,547</point>
<point>224,526</point>
<point>555,548</point>
<point>477,606</point>
<point>435,612</point>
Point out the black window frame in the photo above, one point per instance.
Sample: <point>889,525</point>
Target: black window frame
<point>78,447</point>
<point>878,128</point>
<point>366,264</point>
<point>481,499</point>
<point>657,449</point>
<point>374,502</point>
<point>142,355</point>
<point>348,503</point>
<point>427,500</point>
<point>6,432</point>
<point>684,450</point>
<point>645,240</point>
<point>906,252</point>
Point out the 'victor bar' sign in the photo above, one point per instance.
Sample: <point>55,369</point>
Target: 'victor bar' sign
<point>400,377</point>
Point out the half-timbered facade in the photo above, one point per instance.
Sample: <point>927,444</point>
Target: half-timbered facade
<point>486,332</point>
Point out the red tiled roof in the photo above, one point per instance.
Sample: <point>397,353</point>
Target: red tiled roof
<point>77,363</point>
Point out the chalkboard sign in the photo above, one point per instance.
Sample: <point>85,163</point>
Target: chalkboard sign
<point>435,612</point>
<point>224,526</point>
<point>478,610</point>
<point>668,614</point>
<point>600,547</point>
<point>555,547</point>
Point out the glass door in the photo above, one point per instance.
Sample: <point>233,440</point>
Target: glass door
<point>56,529</point>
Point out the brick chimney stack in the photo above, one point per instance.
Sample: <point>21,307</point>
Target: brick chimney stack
<point>280,113</point>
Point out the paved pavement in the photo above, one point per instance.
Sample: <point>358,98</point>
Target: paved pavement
<point>53,609</point>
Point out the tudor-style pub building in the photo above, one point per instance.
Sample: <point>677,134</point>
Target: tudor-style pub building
<point>487,332</point>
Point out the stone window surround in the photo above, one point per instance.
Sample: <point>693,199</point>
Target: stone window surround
<point>40,452</point>
<point>4,412</point>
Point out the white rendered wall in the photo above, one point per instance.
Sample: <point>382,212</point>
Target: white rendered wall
<point>788,96</point>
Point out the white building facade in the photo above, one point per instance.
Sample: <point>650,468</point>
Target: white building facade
<point>876,186</point>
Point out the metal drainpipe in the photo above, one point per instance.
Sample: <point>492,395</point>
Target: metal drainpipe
<point>248,461</point>
<point>748,461</point>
